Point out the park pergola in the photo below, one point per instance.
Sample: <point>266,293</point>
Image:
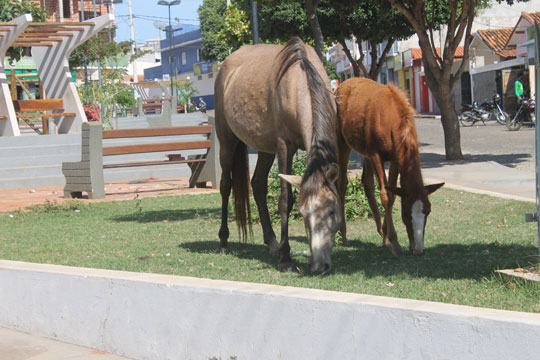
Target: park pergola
<point>50,46</point>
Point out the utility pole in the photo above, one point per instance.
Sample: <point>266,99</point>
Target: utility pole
<point>84,60</point>
<point>255,22</point>
<point>132,32</point>
<point>171,42</point>
<point>100,80</point>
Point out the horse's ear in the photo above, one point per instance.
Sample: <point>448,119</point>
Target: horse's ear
<point>332,173</point>
<point>294,180</point>
<point>433,187</point>
<point>395,190</point>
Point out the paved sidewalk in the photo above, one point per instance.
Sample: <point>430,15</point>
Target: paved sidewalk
<point>14,199</point>
<point>16,345</point>
<point>489,178</point>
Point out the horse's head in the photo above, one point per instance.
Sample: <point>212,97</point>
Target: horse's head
<point>322,218</point>
<point>415,208</point>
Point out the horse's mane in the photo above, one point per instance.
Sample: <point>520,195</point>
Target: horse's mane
<point>407,143</point>
<point>325,124</point>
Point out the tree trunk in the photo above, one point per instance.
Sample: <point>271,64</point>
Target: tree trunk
<point>438,67</point>
<point>354,63</point>
<point>311,10</point>
<point>378,60</point>
<point>450,123</point>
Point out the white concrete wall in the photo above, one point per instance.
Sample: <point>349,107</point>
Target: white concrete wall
<point>147,316</point>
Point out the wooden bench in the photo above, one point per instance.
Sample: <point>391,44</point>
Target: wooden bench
<point>87,175</point>
<point>154,106</point>
<point>28,109</point>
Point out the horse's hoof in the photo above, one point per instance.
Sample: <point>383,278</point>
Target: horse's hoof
<point>286,267</point>
<point>398,251</point>
<point>222,250</point>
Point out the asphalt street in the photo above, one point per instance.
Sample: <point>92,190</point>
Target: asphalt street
<point>479,143</point>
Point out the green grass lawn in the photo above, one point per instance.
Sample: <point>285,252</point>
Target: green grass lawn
<point>468,237</point>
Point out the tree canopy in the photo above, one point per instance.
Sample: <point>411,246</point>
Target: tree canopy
<point>10,9</point>
<point>279,20</point>
<point>212,17</point>
<point>98,49</point>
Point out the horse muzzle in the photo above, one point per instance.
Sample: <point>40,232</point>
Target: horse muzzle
<point>323,268</point>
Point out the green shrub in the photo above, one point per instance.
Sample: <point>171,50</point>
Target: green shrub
<point>356,204</point>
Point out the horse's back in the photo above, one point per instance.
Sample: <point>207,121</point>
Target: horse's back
<point>370,113</point>
<point>257,110</point>
<point>241,93</point>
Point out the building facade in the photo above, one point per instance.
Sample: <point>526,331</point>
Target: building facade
<point>501,48</point>
<point>181,59</point>
<point>71,10</point>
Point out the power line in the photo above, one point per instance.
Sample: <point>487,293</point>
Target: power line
<point>152,18</point>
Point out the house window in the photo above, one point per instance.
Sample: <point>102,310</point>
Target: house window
<point>199,54</point>
<point>184,58</point>
<point>66,5</point>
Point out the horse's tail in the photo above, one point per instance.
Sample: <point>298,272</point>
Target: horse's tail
<point>325,123</point>
<point>240,188</point>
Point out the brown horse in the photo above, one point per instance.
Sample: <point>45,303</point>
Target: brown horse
<point>276,99</point>
<point>377,121</point>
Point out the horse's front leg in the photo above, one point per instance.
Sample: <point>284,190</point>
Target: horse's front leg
<point>344,154</point>
<point>389,233</point>
<point>259,184</point>
<point>388,223</point>
<point>284,156</point>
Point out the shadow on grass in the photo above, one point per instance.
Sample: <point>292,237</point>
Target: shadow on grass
<point>250,250</point>
<point>447,261</point>
<point>171,215</point>
<point>444,261</point>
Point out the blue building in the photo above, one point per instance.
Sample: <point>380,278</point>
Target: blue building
<point>181,59</point>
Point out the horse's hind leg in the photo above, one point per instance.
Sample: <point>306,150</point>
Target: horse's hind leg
<point>226,158</point>
<point>389,233</point>
<point>369,188</point>
<point>259,183</point>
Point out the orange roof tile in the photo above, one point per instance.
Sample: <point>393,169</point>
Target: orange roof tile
<point>417,52</point>
<point>496,40</point>
<point>532,17</point>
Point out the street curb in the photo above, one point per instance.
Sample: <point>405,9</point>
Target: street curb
<point>479,191</point>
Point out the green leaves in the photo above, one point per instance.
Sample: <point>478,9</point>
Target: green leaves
<point>236,31</point>
<point>212,15</point>
<point>10,9</point>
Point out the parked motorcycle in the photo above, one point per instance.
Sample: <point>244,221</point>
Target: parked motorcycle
<point>488,110</point>
<point>525,114</point>
<point>495,109</point>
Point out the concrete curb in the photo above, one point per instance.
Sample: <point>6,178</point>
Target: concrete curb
<point>149,316</point>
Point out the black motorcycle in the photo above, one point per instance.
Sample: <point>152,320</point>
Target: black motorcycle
<point>525,114</point>
<point>488,110</point>
<point>495,109</point>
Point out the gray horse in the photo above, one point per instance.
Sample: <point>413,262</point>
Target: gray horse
<point>277,99</point>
